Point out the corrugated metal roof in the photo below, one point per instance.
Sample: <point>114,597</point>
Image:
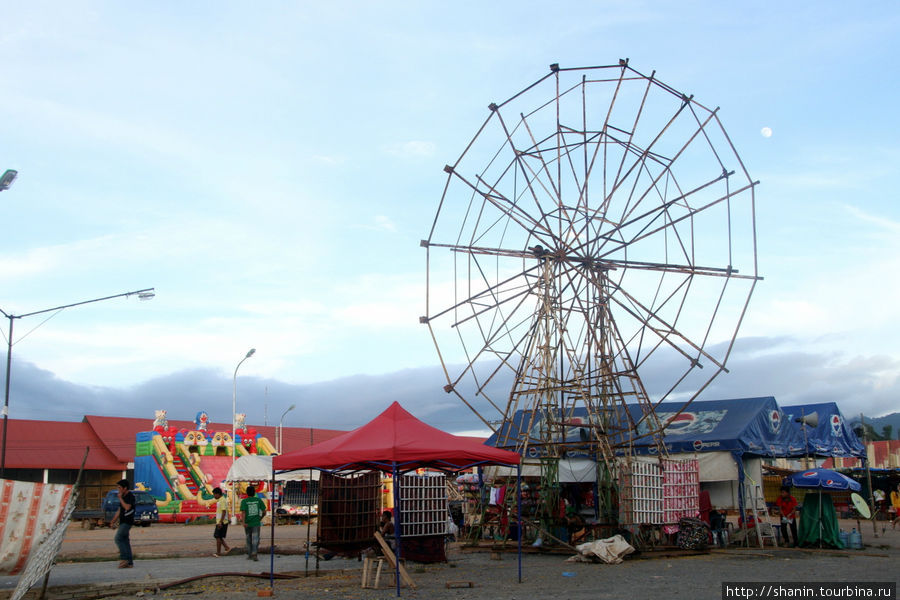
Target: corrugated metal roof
<point>57,445</point>
<point>118,433</point>
<point>61,444</point>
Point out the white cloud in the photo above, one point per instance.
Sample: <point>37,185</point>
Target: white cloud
<point>380,223</point>
<point>411,149</point>
<point>329,160</point>
<point>881,223</point>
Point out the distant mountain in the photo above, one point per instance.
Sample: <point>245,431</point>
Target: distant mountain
<point>878,423</point>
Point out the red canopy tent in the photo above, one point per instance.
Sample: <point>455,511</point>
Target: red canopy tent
<point>397,442</point>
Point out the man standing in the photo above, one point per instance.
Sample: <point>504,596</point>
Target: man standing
<point>125,518</point>
<point>787,505</point>
<point>221,522</point>
<point>253,510</point>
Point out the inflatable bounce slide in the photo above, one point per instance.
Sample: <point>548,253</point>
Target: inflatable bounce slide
<point>180,468</point>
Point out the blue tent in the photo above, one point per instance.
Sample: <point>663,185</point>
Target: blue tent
<point>832,436</point>
<point>755,426</point>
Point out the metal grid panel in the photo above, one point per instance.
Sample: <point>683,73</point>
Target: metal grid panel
<point>348,508</point>
<point>424,505</point>
<point>641,493</point>
<point>681,489</point>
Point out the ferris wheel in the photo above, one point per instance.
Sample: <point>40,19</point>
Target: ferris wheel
<point>593,252</point>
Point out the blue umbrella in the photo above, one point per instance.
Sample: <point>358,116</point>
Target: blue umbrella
<point>825,479</point>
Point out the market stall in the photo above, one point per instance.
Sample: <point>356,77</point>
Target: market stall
<point>395,442</point>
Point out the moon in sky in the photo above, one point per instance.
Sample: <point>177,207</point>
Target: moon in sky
<point>766,132</point>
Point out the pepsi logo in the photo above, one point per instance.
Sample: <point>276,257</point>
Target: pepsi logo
<point>698,445</point>
<point>774,420</point>
<point>836,424</point>
<point>681,422</point>
<point>809,474</point>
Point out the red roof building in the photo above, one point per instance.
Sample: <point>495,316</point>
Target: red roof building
<point>53,451</point>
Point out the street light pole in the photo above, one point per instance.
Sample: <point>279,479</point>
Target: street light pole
<point>281,429</point>
<point>250,353</point>
<point>145,294</point>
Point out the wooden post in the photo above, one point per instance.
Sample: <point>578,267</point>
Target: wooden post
<point>389,556</point>
<point>869,477</point>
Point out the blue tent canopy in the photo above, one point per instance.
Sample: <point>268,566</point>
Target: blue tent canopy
<point>832,436</point>
<point>754,426</point>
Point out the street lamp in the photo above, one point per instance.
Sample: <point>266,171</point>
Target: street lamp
<point>250,353</point>
<point>281,429</point>
<point>145,294</point>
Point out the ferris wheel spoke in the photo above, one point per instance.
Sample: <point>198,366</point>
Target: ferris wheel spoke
<point>521,164</point>
<point>645,232</point>
<point>666,331</point>
<point>489,295</point>
<point>676,268</point>
<point>645,154</point>
<point>503,204</point>
<point>607,195</point>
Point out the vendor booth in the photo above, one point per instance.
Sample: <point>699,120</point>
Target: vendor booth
<point>818,520</point>
<point>730,438</point>
<point>395,443</point>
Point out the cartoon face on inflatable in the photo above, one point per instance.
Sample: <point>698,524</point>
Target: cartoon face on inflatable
<point>195,438</point>
<point>221,438</point>
<point>239,420</point>
<point>201,420</point>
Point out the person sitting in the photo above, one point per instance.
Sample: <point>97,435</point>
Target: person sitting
<point>576,528</point>
<point>717,525</point>
<point>386,529</point>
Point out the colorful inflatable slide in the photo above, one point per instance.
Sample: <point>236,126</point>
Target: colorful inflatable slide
<point>180,468</point>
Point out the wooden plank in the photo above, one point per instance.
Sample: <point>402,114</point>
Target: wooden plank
<point>392,560</point>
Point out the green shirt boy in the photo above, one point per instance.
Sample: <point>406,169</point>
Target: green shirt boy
<point>254,510</point>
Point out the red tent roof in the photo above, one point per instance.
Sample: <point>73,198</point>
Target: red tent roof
<point>395,438</point>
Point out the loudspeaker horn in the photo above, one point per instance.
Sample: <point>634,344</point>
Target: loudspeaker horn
<point>812,419</point>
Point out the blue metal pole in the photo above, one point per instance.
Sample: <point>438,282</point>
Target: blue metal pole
<point>519,510</point>
<point>396,526</point>
<point>272,542</point>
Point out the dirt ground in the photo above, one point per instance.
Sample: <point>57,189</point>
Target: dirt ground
<point>163,540</point>
<point>496,576</point>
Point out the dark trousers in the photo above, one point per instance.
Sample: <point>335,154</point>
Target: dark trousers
<point>784,532</point>
<point>252,536</point>
<point>123,541</point>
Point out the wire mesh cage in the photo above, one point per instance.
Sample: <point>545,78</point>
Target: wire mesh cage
<point>348,510</point>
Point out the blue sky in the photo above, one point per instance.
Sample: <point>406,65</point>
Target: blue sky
<point>271,169</point>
